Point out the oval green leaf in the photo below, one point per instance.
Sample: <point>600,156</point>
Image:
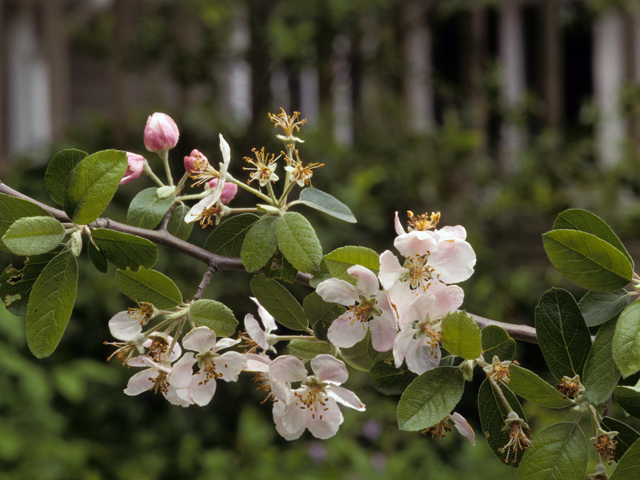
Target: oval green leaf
<point>601,374</point>
<point>51,303</point>
<point>279,302</point>
<point>259,244</point>
<point>149,286</point>
<point>308,349</point>
<point>531,387</point>
<point>228,237</point>
<point>389,380</point>
<point>563,336</point>
<point>215,315</point>
<point>124,250</point>
<point>97,258</point>
<point>629,399</point>
<point>588,261</point>
<point>557,452</point>
<point>12,209</point>
<point>496,342</point>
<point>626,340</point>
<point>55,178</point>
<point>626,436</point>
<point>600,307</point>
<point>339,260</point>
<point>461,335</point>
<point>33,235</point>
<point>628,467</point>
<point>147,210</point>
<point>430,398</point>
<point>322,201</point>
<point>92,183</point>
<point>298,242</point>
<point>177,226</point>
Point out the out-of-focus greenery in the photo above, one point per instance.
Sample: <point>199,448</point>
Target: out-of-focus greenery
<point>66,417</point>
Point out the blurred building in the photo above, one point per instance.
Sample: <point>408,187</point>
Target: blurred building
<point>46,84</point>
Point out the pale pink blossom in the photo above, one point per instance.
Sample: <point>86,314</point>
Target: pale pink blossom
<point>463,427</point>
<point>314,404</point>
<point>135,167</point>
<point>368,308</point>
<point>160,133</point>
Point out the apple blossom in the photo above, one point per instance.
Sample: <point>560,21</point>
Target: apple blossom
<point>262,338</point>
<point>134,168</point>
<point>264,167</point>
<point>160,133</point>
<point>368,308</point>
<point>228,193</point>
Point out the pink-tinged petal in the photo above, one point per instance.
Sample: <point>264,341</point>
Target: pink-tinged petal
<point>226,343</point>
<point>418,310</point>
<point>201,339</point>
<point>366,280</point>
<point>328,368</point>
<point>278,414</point>
<point>451,233</point>
<point>182,371</point>
<point>346,331</point>
<point>180,397</point>
<point>463,426</point>
<point>345,397</point>
<point>257,363</point>
<point>160,132</point>
<point>338,291</point>
<point>383,331</point>
<point>448,299</point>
<point>327,426</point>
<point>125,325</point>
<point>229,365</point>
<point>415,243</point>
<point>227,192</point>
<point>135,167</point>
<point>398,225</point>
<point>294,416</point>
<point>137,361</point>
<point>202,392</point>
<point>453,261</point>
<point>390,270</point>
<point>267,319</point>
<point>255,332</point>
<point>422,357</point>
<point>141,382</point>
<point>401,345</point>
<point>151,363</point>
<point>288,368</point>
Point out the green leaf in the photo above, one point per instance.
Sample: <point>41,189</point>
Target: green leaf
<point>33,235</point>
<point>587,260</point>
<point>97,258</point>
<point>585,221</point>
<point>430,398</point>
<point>215,315</point>
<point>531,387</point>
<point>601,374</point>
<point>628,467</point>
<point>629,399</point>
<point>177,226</point>
<point>600,307</point>
<point>279,302</point>
<point>278,268</point>
<point>92,183</point>
<point>259,244</point>
<point>298,242</point>
<point>492,414</point>
<point>16,285</point>
<point>124,250</point>
<point>389,380</point>
<point>340,259</point>
<point>461,335</point>
<point>497,342</point>
<point>626,340</point>
<point>563,337</point>
<point>626,436</point>
<point>55,178</point>
<point>228,237</point>
<point>557,452</point>
<point>51,303</point>
<point>320,314</point>
<point>326,203</point>
<point>308,349</point>
<point>12,209</point>
<point>149,286</point>
<point>146,209</point>
<point>362,356</point>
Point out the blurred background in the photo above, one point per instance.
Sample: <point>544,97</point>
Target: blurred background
<point>498,114</point>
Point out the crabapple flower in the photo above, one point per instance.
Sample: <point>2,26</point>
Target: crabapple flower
<point>262,338</point>
<point>160,133</point>
<point>196,163</point>
<point>368,308</point>
<point>418,342</point>
<point>432,258</point>
<point>314,404</point>
<point>127,325</point>
<point>134,168</point>
<point>441,428</point>
<point>264,167</point>
<point>201,385</point>
<point>228,193</point>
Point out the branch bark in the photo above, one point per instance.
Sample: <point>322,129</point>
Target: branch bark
<point>523,333</point>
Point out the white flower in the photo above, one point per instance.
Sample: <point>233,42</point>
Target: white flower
<point>127,325</point>
<point>368,308</point>
<point>262,338</point>
<point>201,385</point>
<point>419,339</point>
<point>314,405</point>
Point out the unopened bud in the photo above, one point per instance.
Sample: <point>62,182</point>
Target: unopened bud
<point>134,169</point>
<point>196,163</point>
<point>160,133</point>
<point>228,191</point>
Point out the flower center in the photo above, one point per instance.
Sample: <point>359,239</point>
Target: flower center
<point>420,273</point>
<point>207,367</point>
<point>313,397</point>
<point>362,311</point>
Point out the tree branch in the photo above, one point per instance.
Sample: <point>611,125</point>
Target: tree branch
<point>215,262</point>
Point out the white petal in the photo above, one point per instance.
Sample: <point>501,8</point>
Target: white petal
<point>421,357</point>
<point>201,339</point>
<point>255,332</point>
<point>194,213</point>
<point>415,243</point>
<point>225,343</point>
<point>226,155</point>
<point>398,225</point>
<point>366,280</point>
<point>463,426</point>
<point>257,363</point>
<point>178,397</point>
<point>326,426</point>
<point>267,319</point>
<point>328,368</point>
<point>345,397</point>
<point>229,365</point>
<point>182,371</point>
<point>287,368</point>
<point>401,345</point>
<point>278,414</point>
<point>448,299</point>
<point>451,233</point>
<point>125,325</point>
<point>383,331</point>
<point>390,270</point>
<point>345,331</point>
<point>294,416</point>
<point>338,291</point>
<point>141,382</point>
<point>453,261</point>
<point>202,392</point>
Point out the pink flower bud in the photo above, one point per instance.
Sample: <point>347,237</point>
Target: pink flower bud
<point>134,169</point>
<point>228,191</point>
<point>196,163</point>
<point>160,133</point>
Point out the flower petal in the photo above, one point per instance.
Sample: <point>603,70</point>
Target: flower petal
<point>398,225</point>
<point>201,339</point>
<point>338,291</point>
<point>267,319</point>
<point>141,382</point>
<point>202,392</point>
<point>229,365</point>
<point>453,261</point>
<point>463,426</point>
<point>366,280</point>
<point>288,368</point>
<point>390,270</point>
<point>328,368</point>
<point>345,397</point>
<point>278,414</point>
<point>125,325</point>
<point>182,371</point>
<point>326,426</point>
<point>255,332</point>
<point>346,331</point>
